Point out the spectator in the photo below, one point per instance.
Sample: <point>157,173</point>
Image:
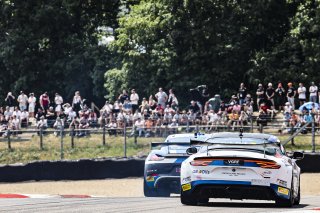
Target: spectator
<point>7,114</point>
<point>152,103</point>
<point>173,126</point>
<point>174,106</point>
<point>127,106</point>
<point>149,125</point>
<point>58,125</point>
<point>302,94</point>
<point>17,112</point>
<point>92,119</point>
<point>139,126</point>
<point>280,97</point>
<point>83,125</point>
<point>262,119</point>
<point>167,118</point>
<point>270,96</point>
<point>39,114</point>
<point>50,117</point>
<point>162,97</point>
<point>233,119</point>
<point>260,95</point>
<point>214,120</point>
<point>10,101</point>
<point>194,107</point>
<point>242,92</point>
<point>42,124</point>
<point>112,128</point>
<point>124,96</point>
<point>107,108</point>
<point>44,102</point>
<point>144,105</point>
<point>134,98</point>
<point>32,104</point>
<point>58,101</point>
<point>214,103</point>
<point>313,90</point>
<point>248,99</point>
<point>287,111</point>
<point>71,115</point>
<point>14,124</point>
<point>77,102</point>
<point>117,107</point>
<point>23,101</point>
<point>291,94</point>
<point>74,125</point>
<point>243,118</point>
<point>24,117</point>
<point>172,97</point>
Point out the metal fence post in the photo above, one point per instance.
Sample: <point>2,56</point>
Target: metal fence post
<point>41,138</point>
<point>61,142</point>
<point>135,134</point>
<point>125,138</point>
<point>313,135</point>
<point>104,136</point>
<point>292,132</point>
<point>9,139</point>
<point>72,137</point>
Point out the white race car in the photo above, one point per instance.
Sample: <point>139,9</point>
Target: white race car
<point>245,166</point>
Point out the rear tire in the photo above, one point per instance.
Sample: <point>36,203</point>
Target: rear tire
<point>188,199</point>
<point>152,192</point>
<point>297,200</point>
<point>281,202</point>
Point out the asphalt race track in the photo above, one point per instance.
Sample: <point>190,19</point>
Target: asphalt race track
<point>167,205</point>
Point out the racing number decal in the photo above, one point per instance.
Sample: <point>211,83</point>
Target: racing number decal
<point>186,187</point>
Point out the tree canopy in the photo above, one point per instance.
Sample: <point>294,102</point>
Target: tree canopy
<point>56,46</point>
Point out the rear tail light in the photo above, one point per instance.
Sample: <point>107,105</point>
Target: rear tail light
<point>268,164</point>
<point>155,157</point>
<point>200,162</point>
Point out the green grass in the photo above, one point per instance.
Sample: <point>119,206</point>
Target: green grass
<point>85,147</point>
<point>91,147</point>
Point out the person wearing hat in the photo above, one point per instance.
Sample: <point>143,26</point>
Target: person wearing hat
<point>291,93</point>
<point>260,95</point>
<point>270,96</point>
<point>302,94</point>
<point>313,90</point>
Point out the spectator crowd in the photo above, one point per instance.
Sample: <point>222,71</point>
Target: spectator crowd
<point>162,109</point>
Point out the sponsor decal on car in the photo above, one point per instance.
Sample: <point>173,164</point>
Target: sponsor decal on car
<point>283,190</point>
<point>266,173</point>
<point>186,179</point>
<point>282,183</point>
<point>186,187</point>
<point>201,171</point>
<point>149,178</point>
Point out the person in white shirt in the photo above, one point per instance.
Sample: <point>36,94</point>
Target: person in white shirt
<point>58,100</point>
<point>112,128</point>
<point>58,125</point>
<point>72,114</point>
<point>162,97</point>
<point>139,125</point>
<point>42,124</point>
<point>32,105</point>
<point>16,112</point>
<point>23,100</point>
<point>24,117</point>
<point>313,90</point>
<point>134,98</point>
<point>7,113</point>
<point>302,94</point>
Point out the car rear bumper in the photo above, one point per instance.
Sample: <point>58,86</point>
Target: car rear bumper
<point>236,190</point>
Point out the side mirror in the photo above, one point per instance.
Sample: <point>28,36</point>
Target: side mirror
<point>298,155</point>
<point>192,150</point>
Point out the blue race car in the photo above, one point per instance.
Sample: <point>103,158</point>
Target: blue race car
<point>162,166</point>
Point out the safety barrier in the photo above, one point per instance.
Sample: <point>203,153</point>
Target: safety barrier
<point>101,169</point>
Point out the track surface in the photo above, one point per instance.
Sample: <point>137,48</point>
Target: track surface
<point>121,205</point>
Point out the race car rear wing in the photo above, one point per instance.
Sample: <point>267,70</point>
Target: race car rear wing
<point>156,145</point>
